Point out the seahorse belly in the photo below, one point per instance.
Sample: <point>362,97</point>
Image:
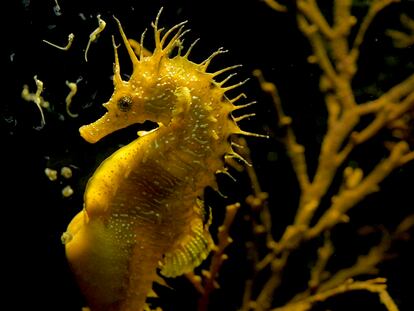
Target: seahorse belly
<point>132,218</point>
<point>114,270</point>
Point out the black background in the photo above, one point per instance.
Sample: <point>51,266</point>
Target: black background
<point>34,213</point>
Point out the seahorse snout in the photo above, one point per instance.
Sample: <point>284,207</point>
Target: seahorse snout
<point>95,131</point>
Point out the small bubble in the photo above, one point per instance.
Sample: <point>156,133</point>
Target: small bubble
<point>66,238</point>
<point>67,191</point>
<point>56,9</point>
<point>10,120</point>
<point>51,174</point>
<point>26,4</point>
<point>66,172</point>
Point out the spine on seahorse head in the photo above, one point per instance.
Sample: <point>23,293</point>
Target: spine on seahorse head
<point>143,205</point>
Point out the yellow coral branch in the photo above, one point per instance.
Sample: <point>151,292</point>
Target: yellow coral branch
<point>275,5</point>
<point>388,108</point>
<point>395,94</point>
<point>404,226</point>
<point>365,264</point>
<point>318,273</point>
<point>321,56</point>
<point>265,298</point>
<point>348,198</point>
<point>338,62</point>
<point>377,286</point>
<point>295,151</point>
<point>401,39</point>
<point>310,9</point>
<point>375,8</point>
<point>218,258</point>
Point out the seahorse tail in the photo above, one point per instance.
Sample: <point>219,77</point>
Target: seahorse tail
<point>143,272</point>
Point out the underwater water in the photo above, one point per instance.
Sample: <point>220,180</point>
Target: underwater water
<point>36,212</point>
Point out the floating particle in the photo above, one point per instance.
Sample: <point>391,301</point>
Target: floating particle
<point>51,174</point>
<point>73,89</point>
<point>67,191</point>
<point>63,48</point>
<point>56,9</point>
<point>66,238</point>
<point>82,16</point>
<point>66,172</point>
<point>36,98</point>
<point>94,35</point>
<point>26,4</point>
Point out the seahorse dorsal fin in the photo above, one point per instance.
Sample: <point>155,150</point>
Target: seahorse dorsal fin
<point>189,252</point>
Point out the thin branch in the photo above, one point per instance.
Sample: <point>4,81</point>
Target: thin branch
<point>397,92</point>
<point>402,39</point>
<point>365,264</point>
<point>311,32</point>
<point>265,298</point>
<point>295,151</point>
<point>377,286</point>
<point>318,273</point>
<point>348,198</point>
<point>375,8</point>
<point>219,256</point>
<point>273,4</point>
<point>311,11</point>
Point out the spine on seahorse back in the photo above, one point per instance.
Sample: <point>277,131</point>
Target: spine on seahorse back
<point>143,205</point>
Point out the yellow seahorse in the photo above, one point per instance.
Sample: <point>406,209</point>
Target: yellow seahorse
<point>143,207</point>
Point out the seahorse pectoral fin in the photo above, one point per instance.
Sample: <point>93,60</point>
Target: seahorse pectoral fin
<point>189,252</point>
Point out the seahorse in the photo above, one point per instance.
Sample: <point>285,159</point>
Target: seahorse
<point>143,207</point>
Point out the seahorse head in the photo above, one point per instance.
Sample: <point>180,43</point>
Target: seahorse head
<point>162,88</point>
<point>149,94</point>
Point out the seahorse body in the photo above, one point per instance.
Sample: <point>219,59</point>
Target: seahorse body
<point>143,205</point>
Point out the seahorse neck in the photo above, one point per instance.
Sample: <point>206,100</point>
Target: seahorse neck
<point>192,146</point>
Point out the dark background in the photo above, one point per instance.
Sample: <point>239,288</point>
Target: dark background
<point>34,213</point>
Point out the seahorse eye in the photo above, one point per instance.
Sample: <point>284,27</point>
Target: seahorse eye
<point>125,103</point>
